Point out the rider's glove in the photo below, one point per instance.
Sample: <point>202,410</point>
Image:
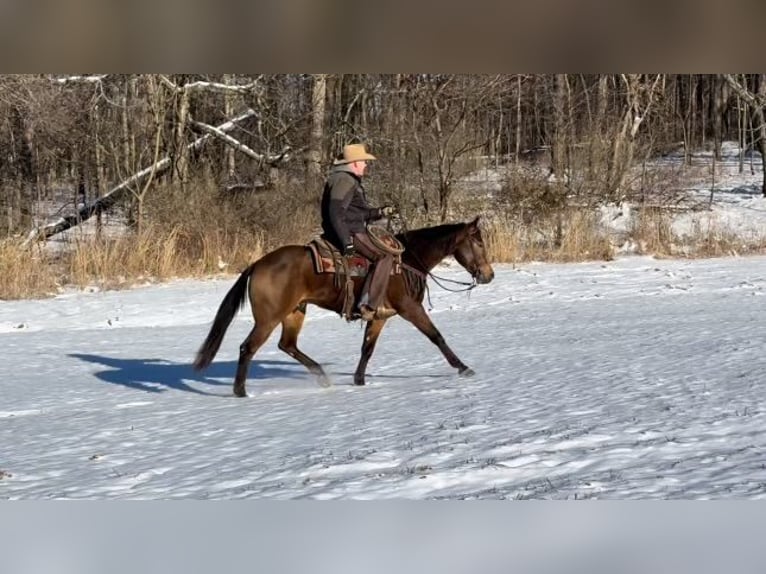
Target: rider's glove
<point>387,211</point>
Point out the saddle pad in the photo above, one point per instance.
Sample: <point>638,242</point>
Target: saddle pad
<point>327,260</point>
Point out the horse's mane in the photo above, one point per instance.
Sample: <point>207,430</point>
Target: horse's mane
<point>440,238</point>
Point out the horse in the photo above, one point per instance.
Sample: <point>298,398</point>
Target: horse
<point>283,281</point>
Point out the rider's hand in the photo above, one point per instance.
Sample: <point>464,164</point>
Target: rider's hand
<point>349,249</point>
<point>387,210</point>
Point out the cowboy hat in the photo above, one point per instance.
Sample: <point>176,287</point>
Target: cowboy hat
<point>354,152</point>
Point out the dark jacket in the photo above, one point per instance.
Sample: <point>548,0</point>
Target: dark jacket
<point>345,209</point>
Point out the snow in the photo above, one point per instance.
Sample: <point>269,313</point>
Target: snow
<point>638,378</point>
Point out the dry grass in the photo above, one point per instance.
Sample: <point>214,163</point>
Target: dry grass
<point>158,254</point>
<point>710,238</point>
<point>651,231</point>
<point>578,235</point>
<point>25,273</point>
<point>582,238</point>
<point>574,235</point>
<point>155,255</point>
<point>192,232</point>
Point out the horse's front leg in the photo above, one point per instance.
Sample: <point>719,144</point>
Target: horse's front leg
<point>415,314</point>
<point>371,334</point>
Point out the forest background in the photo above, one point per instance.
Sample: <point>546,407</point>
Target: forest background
<point>115,178</point>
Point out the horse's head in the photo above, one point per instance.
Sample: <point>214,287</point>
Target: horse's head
<point>469,252</point>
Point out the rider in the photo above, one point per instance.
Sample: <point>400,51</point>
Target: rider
<point>345,213</point>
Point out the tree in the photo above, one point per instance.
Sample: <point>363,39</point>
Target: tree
<point>442,108</point>
<point>755,98</point>
<point>640,91</point>
<point>316,138</point>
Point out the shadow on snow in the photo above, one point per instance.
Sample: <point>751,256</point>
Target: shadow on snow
<point>159,375</point>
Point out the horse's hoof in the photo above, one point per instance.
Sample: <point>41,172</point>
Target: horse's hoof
<point>359,382</point>
<point>240,392</point>
<point>467,372</point>
<point>324,381</point>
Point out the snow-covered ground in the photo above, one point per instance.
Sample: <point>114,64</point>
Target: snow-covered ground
<point>635,378</point>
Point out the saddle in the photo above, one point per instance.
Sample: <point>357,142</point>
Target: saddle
<point>328,259</point>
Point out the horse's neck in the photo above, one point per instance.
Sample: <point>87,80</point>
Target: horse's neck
<point>431,260</point>
<point>428,253</point>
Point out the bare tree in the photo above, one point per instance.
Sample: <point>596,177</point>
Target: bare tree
<point>109,199</point>
<point>640,91</point>
<point>316,139</point>
<point>755,98</point>
<point>720,99</point>
<point>58,134</point>
<point>441,110</point>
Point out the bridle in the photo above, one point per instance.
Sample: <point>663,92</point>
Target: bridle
<point>465,286</point>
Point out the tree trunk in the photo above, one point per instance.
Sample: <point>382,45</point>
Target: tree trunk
<point>558,150</point>
<point>761,119</point>
<point>558,142</point>
<point>32,181</point>
<point>228,109</point>
<point>396,122</point>
<point>741,129</point>
<point>181,151</point>
<point>719,103</point>
<point>693,86</point>
<point>125,130</point>
<point>156,96</point>
<point>755,100</point>
<point>517,146</point>
<point>314,153</point>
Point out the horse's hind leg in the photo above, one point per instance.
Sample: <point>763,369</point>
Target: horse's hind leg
<point>288,342</point>
<point>257,337</point>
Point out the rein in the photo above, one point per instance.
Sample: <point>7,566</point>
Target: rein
<point>438,280</point>
<point>466,285</point>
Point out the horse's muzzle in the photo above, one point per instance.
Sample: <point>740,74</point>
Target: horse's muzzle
<point>484,276</point>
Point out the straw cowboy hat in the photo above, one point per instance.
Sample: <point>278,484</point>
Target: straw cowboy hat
<point>354,152</point>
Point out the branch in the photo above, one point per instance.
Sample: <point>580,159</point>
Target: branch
<point>210,86</point>
<point>104,203</point>
<point>239,146</point>
<point>79,79</point>
<point>352,104</point>
<point>743,92</point>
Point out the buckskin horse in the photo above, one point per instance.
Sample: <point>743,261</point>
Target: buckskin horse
<point>284,280</point>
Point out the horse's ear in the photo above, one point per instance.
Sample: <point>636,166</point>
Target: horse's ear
<point>475,222</point>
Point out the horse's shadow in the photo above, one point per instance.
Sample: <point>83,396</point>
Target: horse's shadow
<point>159,375</point>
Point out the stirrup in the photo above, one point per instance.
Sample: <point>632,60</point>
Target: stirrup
<point>384,312</point>
<point>367,313</point>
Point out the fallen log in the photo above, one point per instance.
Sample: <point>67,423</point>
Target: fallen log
<point>102,204</point>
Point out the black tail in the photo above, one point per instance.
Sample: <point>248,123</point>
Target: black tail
<point>232,303</point>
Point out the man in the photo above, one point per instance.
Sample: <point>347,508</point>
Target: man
<point>345,213</point>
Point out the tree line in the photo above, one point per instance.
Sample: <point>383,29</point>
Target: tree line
<point>92,135</point>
